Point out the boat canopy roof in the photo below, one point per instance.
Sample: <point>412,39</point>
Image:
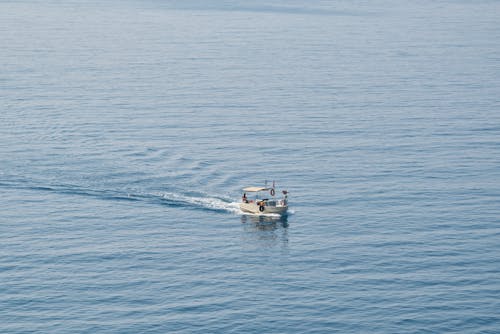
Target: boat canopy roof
<point>255,189</point>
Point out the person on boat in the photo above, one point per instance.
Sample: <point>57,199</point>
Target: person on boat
<point>244,198</point>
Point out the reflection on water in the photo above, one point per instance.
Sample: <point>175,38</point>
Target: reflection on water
<point>265,231</point>
<point>265,222</point>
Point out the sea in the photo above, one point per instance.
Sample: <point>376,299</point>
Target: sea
<point>129,128</point>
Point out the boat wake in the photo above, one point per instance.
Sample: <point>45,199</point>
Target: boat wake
<point>173,199</point>
<point>203,202</point>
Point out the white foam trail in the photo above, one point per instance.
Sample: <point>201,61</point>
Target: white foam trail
<point>204,202</point>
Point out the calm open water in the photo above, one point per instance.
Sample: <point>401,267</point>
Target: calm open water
<point>128,128</point>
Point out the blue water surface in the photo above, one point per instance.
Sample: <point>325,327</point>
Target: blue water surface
<point>128,128</point>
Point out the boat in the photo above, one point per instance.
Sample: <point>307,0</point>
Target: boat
<point>263,200</point>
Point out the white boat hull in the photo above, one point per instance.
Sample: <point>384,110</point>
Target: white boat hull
<point>255,209</point>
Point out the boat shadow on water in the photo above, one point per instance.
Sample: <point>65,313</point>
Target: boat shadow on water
<point>266,222</point>
<point>265,232</point>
